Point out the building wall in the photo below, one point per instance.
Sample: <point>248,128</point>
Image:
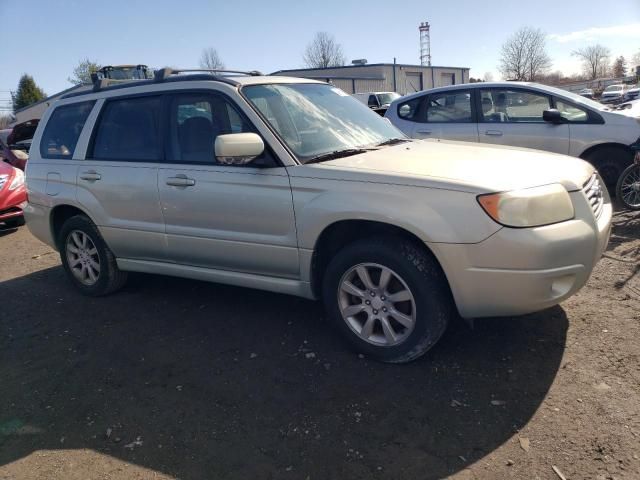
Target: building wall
<point>380,78</point>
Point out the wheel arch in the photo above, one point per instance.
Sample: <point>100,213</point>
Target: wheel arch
<point>59,215</point>
<point>343,232</point>
<point>594,148</point>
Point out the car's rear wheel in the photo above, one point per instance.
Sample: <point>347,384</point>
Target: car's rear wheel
<point>388,297</point>
<point>87,259</point>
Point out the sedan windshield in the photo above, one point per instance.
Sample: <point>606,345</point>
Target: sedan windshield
<point>316,119</point>
<point>613,88</point>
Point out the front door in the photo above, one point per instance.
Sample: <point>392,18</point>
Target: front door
<point>513,116</point>
<point>237,218</point>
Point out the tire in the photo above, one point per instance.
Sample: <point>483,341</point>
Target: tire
<point>80,257</point>
<point>409,268</point>
<point>628,187</point>
<point>610,162</point>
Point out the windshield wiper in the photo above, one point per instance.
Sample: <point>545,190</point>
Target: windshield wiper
<point>393,141</point>
<point>337,154</point>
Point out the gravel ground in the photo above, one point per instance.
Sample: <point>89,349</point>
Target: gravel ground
<point>173,378</point>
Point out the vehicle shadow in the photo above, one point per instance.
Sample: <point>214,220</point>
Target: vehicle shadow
<point>222,382</point>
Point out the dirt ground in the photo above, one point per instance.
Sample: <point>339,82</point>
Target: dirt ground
<point>181,379</point>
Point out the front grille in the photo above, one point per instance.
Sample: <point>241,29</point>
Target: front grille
<point>595,196</point>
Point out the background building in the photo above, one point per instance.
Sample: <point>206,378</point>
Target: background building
<point>384,77</point>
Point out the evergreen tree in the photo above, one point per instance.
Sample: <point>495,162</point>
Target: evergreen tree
<point>28,92</point>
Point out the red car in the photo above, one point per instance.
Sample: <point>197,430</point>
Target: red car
<point>16,158</point>
<point>13,195</point>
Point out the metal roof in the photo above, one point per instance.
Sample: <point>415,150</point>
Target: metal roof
<point>369,65</point>
<point>56,95</point>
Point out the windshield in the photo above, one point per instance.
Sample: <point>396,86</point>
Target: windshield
<point>386,98</point>
<point>316,119</point>
<point>613,88</point>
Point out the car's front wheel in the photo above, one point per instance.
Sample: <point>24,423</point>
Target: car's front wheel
<point>388,297</point>
<point>87,259</point>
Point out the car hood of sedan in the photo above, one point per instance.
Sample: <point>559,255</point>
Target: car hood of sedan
<point>463,166</point>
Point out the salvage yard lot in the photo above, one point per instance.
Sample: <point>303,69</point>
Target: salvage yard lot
<point>173,378</point>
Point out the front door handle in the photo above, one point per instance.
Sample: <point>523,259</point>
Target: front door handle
<point>493,133</point>
<point>90,176</point>
<point>424,132</point>
<point>180,181</point>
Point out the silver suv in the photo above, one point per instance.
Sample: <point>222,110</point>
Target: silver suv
<point>293,186</point>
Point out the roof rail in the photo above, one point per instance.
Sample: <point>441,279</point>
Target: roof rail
<point>163,73</point>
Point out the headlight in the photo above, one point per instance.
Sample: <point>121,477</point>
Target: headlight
<point>529,207</point>
<point>18,180</point>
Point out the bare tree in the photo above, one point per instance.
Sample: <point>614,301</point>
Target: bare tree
<point>82,72</point>
<point>595,60</point>
<point>636,60</point>
<point>524,56</point>
<point>488,77</point>
<point>323,51</point>
<point>5,120</point>
<point>210,59</point>
<point>619,67</point>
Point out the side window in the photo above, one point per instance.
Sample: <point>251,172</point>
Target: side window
<point>572,113</point>
<point>63,130</point>
<point>196,119</point>
<point>409,110</point>
<point>373,101</point>
<point>513,106</point>
<point>449,107</point>
<point>129,130</point>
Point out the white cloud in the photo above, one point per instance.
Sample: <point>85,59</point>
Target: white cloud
<point>631,30</point>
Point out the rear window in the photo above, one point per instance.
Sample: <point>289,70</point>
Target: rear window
<point>63,130</point>
<point>129,130</point>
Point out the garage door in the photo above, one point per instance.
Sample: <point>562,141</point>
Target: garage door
<point>447,79</point>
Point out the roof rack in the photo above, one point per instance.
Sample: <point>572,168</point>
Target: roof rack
<point>163,73</point>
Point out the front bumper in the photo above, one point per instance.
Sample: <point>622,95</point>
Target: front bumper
<point>12,203</point>
<point>519,271</point>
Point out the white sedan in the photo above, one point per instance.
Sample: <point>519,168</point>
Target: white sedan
<point>523,115</point>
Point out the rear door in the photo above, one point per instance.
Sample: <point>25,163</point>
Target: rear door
<point>226,217</point>
<point>513,116</point>
<point>445,115</point>
<point>117,181</point>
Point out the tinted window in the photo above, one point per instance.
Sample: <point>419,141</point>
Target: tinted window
<point>129,130</point>
<point>449,107</point>
<point>513,106</point>
<point>63,130</point>
<point>572,113</point>
<point>196,120</point>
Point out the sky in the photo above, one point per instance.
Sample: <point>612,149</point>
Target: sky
<point>47,38</point>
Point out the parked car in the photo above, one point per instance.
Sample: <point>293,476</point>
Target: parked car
<point>631,94</point>
<point>613,94</point>
<point>551,119</point>
<point>14,157</point>
<point>586,92</point>
<point>13,196</point>
<point>377,101</point>
<point>21,135</point>
<point>314,196</point>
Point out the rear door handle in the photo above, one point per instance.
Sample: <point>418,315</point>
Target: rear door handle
<point>424,132</point>
<point>493,133</point>
<point>90,176</point>
<point>180,181</point>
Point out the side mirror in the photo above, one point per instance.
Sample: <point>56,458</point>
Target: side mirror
<point>238,148</point>
<point>552,116</point>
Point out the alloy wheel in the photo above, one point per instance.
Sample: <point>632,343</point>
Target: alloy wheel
<point>377,304</point>
<point>82,257</point>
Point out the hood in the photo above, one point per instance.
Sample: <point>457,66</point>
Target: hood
<point>629,109</point>
<point>463,166</point>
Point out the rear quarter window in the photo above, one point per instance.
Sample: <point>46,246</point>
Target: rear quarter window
<point>63,130</point>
